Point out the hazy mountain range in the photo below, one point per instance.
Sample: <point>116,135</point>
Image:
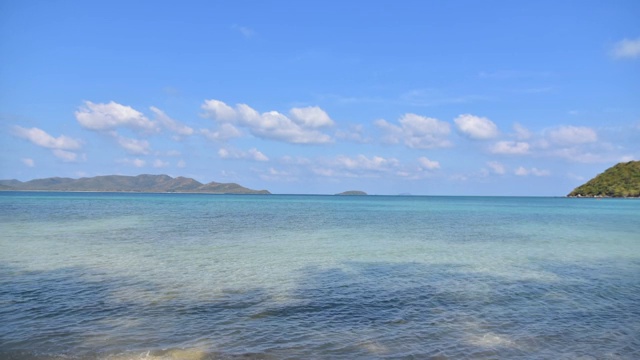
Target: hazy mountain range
<point>120,183</point>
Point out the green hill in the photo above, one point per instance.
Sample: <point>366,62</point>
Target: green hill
<point>119,183</point>
<point>621,180</point>
<point>353,192</point>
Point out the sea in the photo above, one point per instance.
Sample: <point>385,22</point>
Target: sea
<point>200,276</point>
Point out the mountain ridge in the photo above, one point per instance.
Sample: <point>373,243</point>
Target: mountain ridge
<point>124,183</point>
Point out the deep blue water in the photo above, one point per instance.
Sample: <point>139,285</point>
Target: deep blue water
<point>155,276</point>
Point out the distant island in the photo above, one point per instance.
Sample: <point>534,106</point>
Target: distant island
<point>120,183</point>
<point>353,192</point>
<point>621,180</point>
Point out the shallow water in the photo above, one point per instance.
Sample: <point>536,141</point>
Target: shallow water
<point>122,276</point>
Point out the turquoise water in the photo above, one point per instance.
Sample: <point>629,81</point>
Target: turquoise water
<point>155,276</point>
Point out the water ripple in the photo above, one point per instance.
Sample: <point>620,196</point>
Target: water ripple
<point>309,282</point>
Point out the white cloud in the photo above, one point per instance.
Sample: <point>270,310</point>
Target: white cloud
<point>363,166</point>
<point>160,164</point>
<point>181,164</point>
<point>224,133</point>
<point>251,154</point>
<point>311,117</point>
<point>171,124</point>
<point>361,162</point>
<point>475,127</point>
<point>537,172</point>
<point>224,153</point>
<point>521,133</point>
<point>301,128</point>
<point>28,162</point>
<point>327,172</point>
<point>41,138</point>
<point>218,110</point>
<point>274,172</point>
<point>459,177</point>
<point>572,135</point>
<point>133,162</point>
<point>66,156</point>
<point>279,175</point>
<point>416,132</point>
<point>274,125</point>
<point>257,155</point>
<point>425,163</point>
<point>356,166</point>
<point>510,148</point>
<point>629,49</point>
<point>521,171</point>
<point>354,133</point>
<point>133,146</point>
<point>575,154</point>
<point>497,167</point>
<point>109,116</point>
<point>59,146</point>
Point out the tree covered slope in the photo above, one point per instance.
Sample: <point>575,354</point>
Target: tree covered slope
<point>621,180</point>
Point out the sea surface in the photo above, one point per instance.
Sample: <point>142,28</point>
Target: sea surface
<point>194,276</point>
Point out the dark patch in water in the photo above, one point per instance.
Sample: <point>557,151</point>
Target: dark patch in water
<point>380,310</point>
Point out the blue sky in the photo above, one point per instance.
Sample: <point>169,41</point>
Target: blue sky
<point>420,97</point>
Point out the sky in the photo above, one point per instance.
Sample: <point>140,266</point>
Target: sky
<point>319,97</point>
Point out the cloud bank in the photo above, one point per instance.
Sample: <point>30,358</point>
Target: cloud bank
<point>302,126</point>
<point>416,132</point>
<point>110,117</point>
